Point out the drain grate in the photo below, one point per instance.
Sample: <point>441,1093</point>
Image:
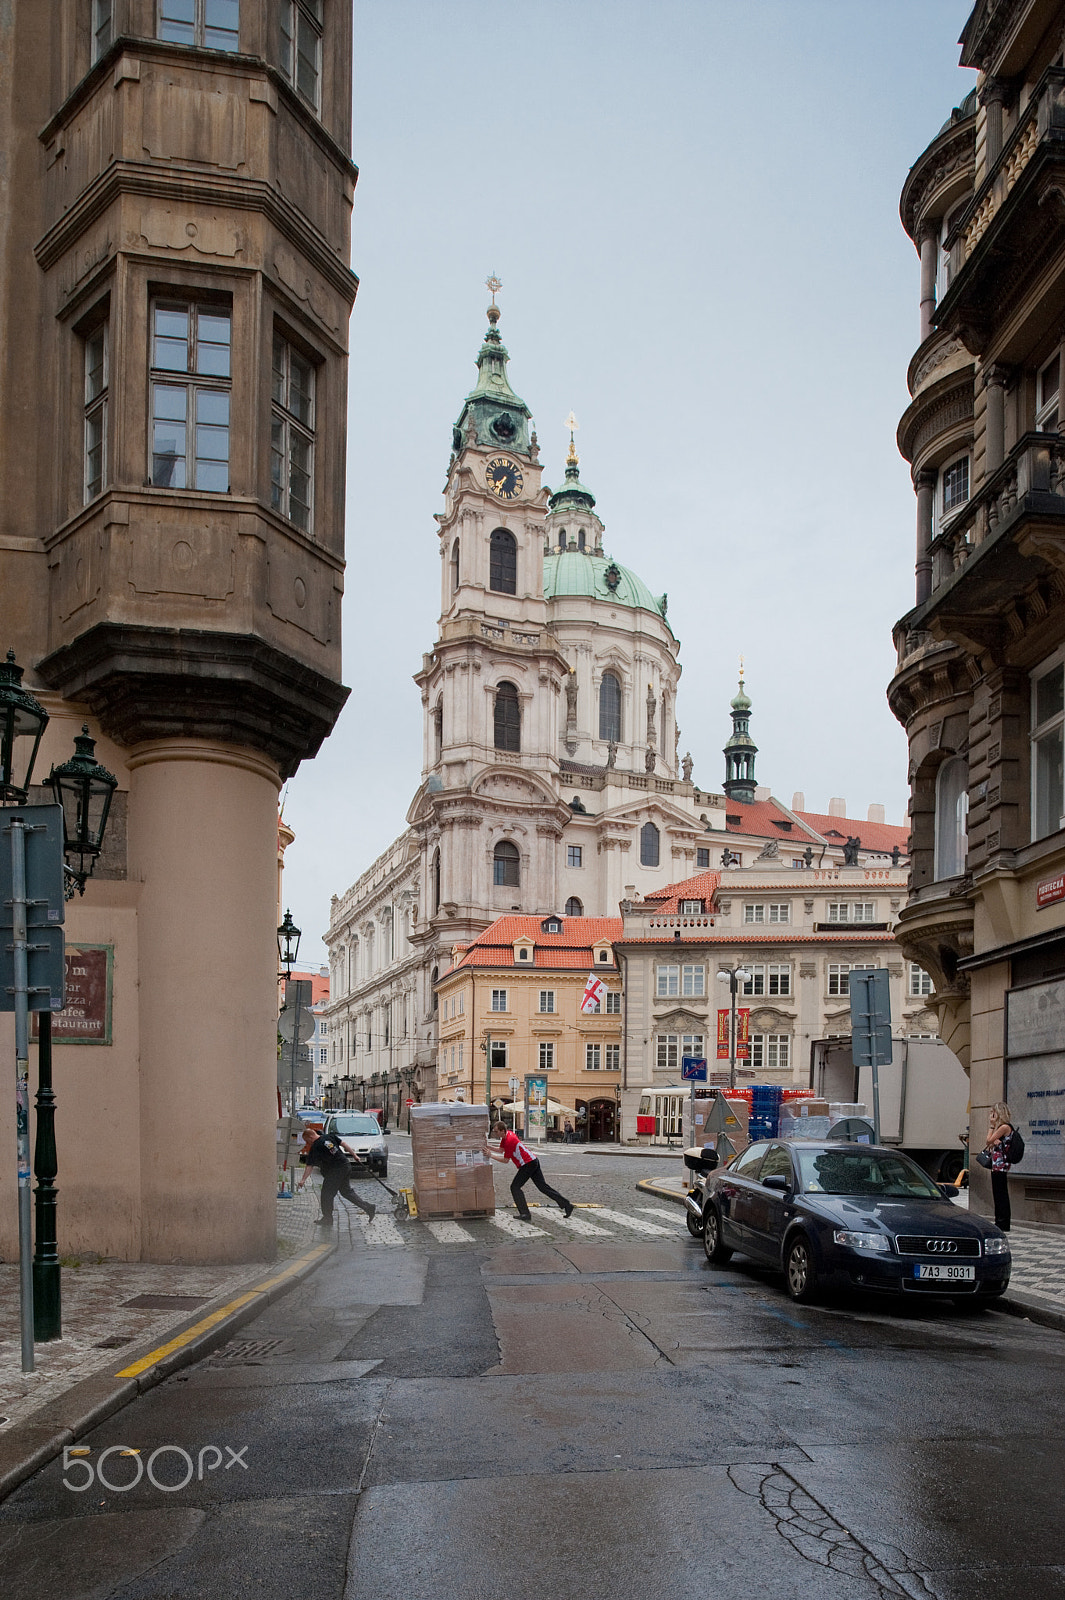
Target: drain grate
<point>250,1352</point>
<point>167,1302</point>
<point>115,1342</point>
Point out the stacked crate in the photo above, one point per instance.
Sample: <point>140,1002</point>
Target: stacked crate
<point>764,1120</point>
<point>452,1173</point>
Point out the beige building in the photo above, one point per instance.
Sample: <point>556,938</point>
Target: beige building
<point>512,1001</point>
<point>979,682</point>
<point>174,300</point>
<point>799,932</point>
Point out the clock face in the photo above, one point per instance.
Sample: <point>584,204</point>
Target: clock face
<point>504,478</point>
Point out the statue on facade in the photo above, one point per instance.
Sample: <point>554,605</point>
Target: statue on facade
<point>770,851</point>
<point>611,754</point>
<point>850,851</point>
<point>686,766</point>
<point>895,853</point>
<point>650,715</point>
<point>649,759</point>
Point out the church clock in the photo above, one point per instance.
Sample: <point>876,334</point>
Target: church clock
<point>504,478</point>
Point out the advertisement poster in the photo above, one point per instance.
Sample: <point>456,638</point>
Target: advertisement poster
<point>86,1016</point>
<point>535,1107</point>
<point>743,1034</point>
<point>1035,1073</point>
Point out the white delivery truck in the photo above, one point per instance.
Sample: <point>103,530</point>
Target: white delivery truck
<point>924,1098</point>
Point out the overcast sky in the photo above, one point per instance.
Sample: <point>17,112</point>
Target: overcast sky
<point>694,211</point>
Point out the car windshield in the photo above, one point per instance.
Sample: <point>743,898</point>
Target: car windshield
<point>858,1172</point>
<point>356,1123</point>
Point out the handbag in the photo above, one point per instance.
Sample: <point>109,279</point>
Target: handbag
<point>983,1157</point>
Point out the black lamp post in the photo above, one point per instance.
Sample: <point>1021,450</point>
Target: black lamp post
<point>85,790</point>
<point>288,943</point>
<point>22,722</point>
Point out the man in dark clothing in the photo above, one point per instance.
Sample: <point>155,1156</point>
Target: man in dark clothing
<point>528,1165</point>
<point>326,1151</point>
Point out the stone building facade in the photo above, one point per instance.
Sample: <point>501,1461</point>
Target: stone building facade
<point>978,685</point>
<point>174,300</point>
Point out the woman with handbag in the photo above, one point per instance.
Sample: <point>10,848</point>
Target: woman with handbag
<point>999,1129</point>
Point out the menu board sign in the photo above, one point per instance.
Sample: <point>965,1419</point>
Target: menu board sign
<point>86,1016</point>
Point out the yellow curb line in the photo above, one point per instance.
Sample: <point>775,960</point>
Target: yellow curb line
<point>649,1186</point>
<point>216,1317</point>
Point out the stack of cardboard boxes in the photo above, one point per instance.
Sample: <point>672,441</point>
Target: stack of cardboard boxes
<point>452,1173</point>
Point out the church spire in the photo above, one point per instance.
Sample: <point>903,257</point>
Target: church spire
<point>493,417</point>
<point>573,495</point>
<point>740,750</point>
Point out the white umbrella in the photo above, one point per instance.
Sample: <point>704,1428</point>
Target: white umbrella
<point>553,1108</point>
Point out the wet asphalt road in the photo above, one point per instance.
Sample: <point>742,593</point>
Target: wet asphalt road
<point>574,1416</point>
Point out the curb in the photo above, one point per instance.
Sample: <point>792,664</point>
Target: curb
<point>664,1192</point>
<point>645,1152</point>
<point>45,1433</point>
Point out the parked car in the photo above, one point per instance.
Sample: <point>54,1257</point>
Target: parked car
<point>858,1216</point>
<point>362,1132</point>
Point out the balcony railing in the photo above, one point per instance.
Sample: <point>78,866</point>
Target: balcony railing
<point>1036,465</point>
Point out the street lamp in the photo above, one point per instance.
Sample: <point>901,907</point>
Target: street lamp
<point>22,722</point>
<point>733,976</point>
<point>288,943</point>
<point>85,790</point>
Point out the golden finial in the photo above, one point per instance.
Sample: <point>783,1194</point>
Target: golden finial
<point>493,283</point>
<point>573,425</point>
<point>741,669</point>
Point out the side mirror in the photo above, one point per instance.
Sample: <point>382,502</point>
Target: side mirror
<point>385,1132</point>
<point>776,1181</point>
<point>949,1191</point>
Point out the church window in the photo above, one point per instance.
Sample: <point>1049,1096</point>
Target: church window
<point>190,397</point>
<point>503,573</point>
<point>436,881</point>
<point>433,978</point>
<point>506,864</point>
<point>507,718</point>
<point>454,566</point>
<point>292,434</point>
<point>648,845</point>
<point>211,24</point>
<point>574,907</point>
<point>580,539</point>
<point>702,858</point>
<point>574,855</point>
<point>562,544</point>
<point>610,708</point>
<point>301,48</point>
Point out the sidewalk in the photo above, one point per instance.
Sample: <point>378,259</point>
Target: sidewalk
<point>1037,1280</point>
<point>126,1326</point>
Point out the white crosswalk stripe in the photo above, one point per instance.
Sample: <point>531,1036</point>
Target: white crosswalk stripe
<point>515,1227</point>
<point>674,1215</point>
<point>448,1231</point>
<point>578,1225</point>
<point>382,1233</point>
<point>637,1224</point>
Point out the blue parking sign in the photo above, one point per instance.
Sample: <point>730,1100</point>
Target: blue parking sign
<point>693,1069</point>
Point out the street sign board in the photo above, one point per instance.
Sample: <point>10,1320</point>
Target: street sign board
<point>870,1017</point>
<point>43,833</point>
<point>45,968</point>
<point>693,1069</point>
<point>286,1023</point>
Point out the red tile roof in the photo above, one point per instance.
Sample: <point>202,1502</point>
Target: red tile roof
<point>702,887</point>
<point>878,836</point>
<point>839,936</point>
<point>573,947</point>
<point>319,982</point>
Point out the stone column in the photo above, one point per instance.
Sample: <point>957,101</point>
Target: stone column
<point>926,489</point>
<point>996,379</point>
<point>928,239</point>
<point>992,98</point>
<point>202,849</point>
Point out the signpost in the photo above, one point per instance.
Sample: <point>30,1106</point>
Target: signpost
<point>535,1105</point>
<point>693,1071</point>
<point>871,1028</point>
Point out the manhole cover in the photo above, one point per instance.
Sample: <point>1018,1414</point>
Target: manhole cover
<point>167,1302</point>
<point>250,1352</point>
<point>115,1342</point>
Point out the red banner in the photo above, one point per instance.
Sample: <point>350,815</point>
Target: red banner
<point>743,1034</point>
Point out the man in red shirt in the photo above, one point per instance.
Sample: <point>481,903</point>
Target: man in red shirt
<point>528,1165</point>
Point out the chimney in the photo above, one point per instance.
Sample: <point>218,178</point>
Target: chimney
<point>798,801</point>
<point>761,792</point>
<point>876,813</point>
<point>837,807</point>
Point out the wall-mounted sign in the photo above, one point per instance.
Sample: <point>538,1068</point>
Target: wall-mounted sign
<point>86,1016</point>
<point>1050,891</point>
<point>1035,1073</point>
<point>743,1033</point>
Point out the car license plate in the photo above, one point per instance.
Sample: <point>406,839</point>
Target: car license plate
<point>946,1271</point>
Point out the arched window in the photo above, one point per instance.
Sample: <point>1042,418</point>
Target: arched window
<point>580,539</point>
<point>507,718</point>
<point>506,864</point>
<point>574,907</point>
<point>952,817</point>
<point>610,708</point>
<point>454,566</point>
<point>433,982</point>
<point>503,573</point>
<point>438,730</point>
<point>648,845</point>
<point>562,539</point>
<point>436,881</point>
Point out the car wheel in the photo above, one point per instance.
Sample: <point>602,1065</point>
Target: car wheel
<point>799,1269</point>
<point>695,1224</point>
<point>713,1248</point>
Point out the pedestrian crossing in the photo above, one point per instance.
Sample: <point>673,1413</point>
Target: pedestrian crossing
<point>400,1232</point>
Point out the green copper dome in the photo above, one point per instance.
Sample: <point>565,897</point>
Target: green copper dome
<point>573,495</point>
<point>492,414</point>
<point>597,577</point>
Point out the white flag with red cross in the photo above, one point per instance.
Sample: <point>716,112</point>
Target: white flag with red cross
<point>594,990</point>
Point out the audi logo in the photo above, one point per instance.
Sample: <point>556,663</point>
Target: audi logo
<point>941,1247</point>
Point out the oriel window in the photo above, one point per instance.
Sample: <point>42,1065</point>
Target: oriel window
<point>301,48</point>
<point>292,434</point>
<point>96,384</point>
<point>211,24</point>
<point>190,397</point>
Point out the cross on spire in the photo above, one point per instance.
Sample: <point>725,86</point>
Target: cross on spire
<point>573,425</point>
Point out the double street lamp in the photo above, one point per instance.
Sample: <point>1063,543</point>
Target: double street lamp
<point>733,976</point>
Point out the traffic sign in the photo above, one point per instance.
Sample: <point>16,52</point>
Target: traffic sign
<point>286,1023</point>
<point>43,834</point>
<point>410,1102</point>
<point>870,1017</point>
<point>693,1069</point>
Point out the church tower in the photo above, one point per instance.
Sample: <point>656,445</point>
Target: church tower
<point>740,750</point>
<point>488,813</point>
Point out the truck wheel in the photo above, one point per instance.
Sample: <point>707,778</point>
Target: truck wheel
<point>949,1166</point>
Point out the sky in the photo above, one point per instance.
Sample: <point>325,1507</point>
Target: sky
<point>693,208</point>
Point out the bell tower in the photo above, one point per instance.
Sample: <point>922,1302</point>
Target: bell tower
<point>740,750</point>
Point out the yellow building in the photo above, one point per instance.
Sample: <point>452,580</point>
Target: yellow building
<point>512,1001</point>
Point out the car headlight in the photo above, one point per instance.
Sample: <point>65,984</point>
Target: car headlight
<point>996,1247</point>
<point>862,1241</point>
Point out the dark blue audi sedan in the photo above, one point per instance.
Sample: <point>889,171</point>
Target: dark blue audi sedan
<point>835,1216</point>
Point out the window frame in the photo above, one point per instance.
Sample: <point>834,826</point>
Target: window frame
<point>919,982</point>
<point>844,912</point>
<point>650,835</point>
<point>293,428</point>
<point>592,1057</point>
<point>691,908</point>
<point>502,562</point>
<point>613,1003</point>
<point>506,717</point>
<point>101,21</point>
<point>95,409</point>
<point>499,1002</point>
<point>510,875</point>
<point>546,1055</point>
<point>610,719</point>
<point>1050,728</point>
<point>549,1009</point>
<point>200,29</point>
<point>311,12</point>
<point>839,972</point>
<point>702,857</point>
<point>765,1045</point>
<point>945,513</point>
<point>667,974</point>
<point>951,841</point>
<point>574,907</point>
<point>1048,403</point>
<point>574,855</point>
<point>193,383</point>
<point>772,912</point>
<point>612,1058</point>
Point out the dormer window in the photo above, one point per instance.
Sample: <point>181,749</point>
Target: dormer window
<point>523,954</point>
<point>552,925</point>
<point>692,908</point>
<point>603,955</point>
